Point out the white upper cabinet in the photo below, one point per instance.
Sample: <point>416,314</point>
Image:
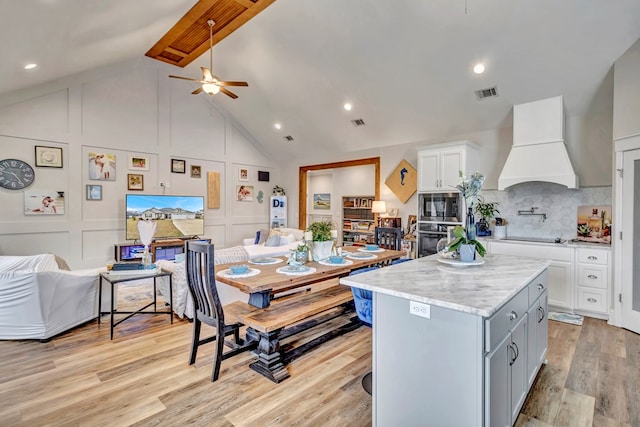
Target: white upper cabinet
<point>439,165</point>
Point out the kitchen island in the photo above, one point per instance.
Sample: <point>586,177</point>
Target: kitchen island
<point>455,346</point>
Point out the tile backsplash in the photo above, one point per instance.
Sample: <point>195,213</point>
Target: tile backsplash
<point>558,202</point>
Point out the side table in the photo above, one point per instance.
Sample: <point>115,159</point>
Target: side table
<point>114,279</point>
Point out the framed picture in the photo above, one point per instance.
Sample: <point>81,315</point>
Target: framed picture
<point>244,193</point>
<point>135,181</point>
<point>48,157</point>
<point>178,166</point>
<point>102,166</point>
<point>44,202</point>
<point>94,192</point>
<point>412,222</point>
<point>322,201</point>
<point>263,176</point>
<point>196,171</point>
<point>243,174</point>
<point>138,163</point>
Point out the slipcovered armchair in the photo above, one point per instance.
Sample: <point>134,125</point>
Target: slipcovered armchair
<point>38,299</point>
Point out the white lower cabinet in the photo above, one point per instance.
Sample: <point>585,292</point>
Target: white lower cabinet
<point>593,278</point>
<point>561,270</point>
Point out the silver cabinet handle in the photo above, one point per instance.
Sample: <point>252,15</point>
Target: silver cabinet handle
<point>542,313</point>
<point>593,257</point>
<point>592,276</point>
<point>592,300</point>
<point>513,315</point>
<point>540,286</point>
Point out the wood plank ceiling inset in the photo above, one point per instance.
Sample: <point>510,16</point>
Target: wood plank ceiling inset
<point>189,37</point>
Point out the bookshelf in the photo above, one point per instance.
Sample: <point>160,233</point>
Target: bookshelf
<point>358,222</point>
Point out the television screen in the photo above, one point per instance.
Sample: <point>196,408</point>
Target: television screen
<point>176,216</point>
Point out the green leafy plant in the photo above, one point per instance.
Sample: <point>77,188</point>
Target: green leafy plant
<point>302,247</point>
<point>321,231</point>
<point>486,210</point>
<point>462,238</point>
<point>584,230</point>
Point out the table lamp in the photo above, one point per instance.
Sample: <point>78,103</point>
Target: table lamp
<point>379,207</point>
<point>146,229</point>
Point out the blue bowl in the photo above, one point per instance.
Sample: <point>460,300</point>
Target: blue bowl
<point>336,259</point>
<point>239,269</point>
<point>371,247</point>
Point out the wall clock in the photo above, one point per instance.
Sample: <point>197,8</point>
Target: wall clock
<point>15,174</point>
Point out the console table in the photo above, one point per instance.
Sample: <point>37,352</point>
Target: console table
<point>115,279</point>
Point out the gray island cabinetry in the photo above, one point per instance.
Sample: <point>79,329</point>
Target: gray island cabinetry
<point>456,346</point>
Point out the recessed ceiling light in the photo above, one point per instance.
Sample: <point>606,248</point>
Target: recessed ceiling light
<point>348,106</point>
<point>30,66</point>
<point>478,69</point>
<point>278,126</point>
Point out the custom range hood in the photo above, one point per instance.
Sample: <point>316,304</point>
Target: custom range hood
<point>538,152</point>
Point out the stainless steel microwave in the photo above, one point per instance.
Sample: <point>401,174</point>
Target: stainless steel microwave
<point>440,207</point>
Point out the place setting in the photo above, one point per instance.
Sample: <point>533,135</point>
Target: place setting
<point>265,261</point>
<point>334,260</point>
<point>238,271</point>
<point>371,248</point>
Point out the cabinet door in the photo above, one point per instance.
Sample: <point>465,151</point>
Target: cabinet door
<point>428,173</point>
<point>518,368</point>
<point>542,329</point>
<point>560,285</point>
<point>450,167</point>
<point>498,384</point>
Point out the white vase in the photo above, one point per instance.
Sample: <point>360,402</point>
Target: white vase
<point>321,250</point>
<point>500,232</point>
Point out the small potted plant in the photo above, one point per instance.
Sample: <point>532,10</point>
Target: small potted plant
<point>466,246</point>
<point>322,239</point>
<point>301,253</point>
<point>487,211</point>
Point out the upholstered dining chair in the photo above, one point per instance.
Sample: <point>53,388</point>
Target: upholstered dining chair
<point>208,309</point>
<point>388,238</point>
<point>363,301</point>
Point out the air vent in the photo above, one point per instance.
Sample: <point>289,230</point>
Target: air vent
<point>358,122</point>
<point>288,138</point>
<point>491,92</point>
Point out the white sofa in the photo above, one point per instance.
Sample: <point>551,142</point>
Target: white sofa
<point>39,300</point>
<point>182,302</point>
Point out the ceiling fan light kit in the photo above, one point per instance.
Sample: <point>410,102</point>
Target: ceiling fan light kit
<point>211,84</point>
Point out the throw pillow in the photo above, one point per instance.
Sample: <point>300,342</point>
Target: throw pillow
<point>262,235</point>
<point>273,239</point>
<point>286,239</point>
<point>62,264</point>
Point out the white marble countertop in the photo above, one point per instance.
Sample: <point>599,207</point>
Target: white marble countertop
<point>564,244</point>
<point>479,290</point>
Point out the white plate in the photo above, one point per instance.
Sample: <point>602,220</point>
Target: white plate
<point>459,264</point>
<point>329,263</point>
<point>265,261</point>
<point>371,250</point>
<point>361,255</point>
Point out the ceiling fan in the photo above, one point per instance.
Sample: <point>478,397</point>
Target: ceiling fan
<point>211,84</point>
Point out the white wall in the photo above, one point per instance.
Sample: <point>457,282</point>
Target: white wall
<point>128,109</point>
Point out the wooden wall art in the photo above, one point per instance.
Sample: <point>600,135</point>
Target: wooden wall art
<point>213,190</point>
<point>403,181</point>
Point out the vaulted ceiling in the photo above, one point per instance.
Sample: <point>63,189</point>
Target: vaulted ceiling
<point>405,65</point>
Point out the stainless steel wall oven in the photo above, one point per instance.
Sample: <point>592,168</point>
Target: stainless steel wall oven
<point>436,212</point>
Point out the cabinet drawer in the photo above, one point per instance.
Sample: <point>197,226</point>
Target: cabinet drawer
<point>537,287</point>
<point>498,325</point>
<point>595,276</point>
<point>593,256</point>
<point>592,299</point>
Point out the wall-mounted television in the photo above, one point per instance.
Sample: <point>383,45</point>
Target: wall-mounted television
<point>176,216</point>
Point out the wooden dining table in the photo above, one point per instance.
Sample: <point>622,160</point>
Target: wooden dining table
<point>268,282</point>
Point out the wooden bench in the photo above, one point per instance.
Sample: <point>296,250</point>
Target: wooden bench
<point>290,315</point>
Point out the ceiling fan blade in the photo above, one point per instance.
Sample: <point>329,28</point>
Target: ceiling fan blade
<point>185,78</point>
<point>206,74</point>
<point>233,83</point>
<point>228,92</point>
<point>197,91</point>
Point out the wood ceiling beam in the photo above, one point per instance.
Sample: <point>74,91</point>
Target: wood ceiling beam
<point>201,12</point>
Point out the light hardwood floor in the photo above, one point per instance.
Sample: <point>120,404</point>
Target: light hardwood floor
<point>142,378</point>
